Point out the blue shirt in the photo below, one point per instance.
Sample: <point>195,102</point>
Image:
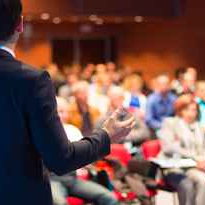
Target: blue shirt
<point>135,102</point>
<point>201,104</point>
<point>159,108</point>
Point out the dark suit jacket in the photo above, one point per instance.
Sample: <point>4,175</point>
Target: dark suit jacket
<point>31,134</point>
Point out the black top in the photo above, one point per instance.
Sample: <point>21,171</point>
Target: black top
<point>31,133</point>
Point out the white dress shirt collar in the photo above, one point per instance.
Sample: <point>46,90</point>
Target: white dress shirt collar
<point>8,50</point>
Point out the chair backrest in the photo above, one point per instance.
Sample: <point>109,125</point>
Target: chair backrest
<point>119,152</point>
<point>151,148</point>
<point>74,201</point>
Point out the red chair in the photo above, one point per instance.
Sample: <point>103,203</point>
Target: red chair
<point>151,149</point>
<point>119,152</point>
<point>74,201</point>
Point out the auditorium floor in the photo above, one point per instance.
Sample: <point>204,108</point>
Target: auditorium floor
<point>166,198</point>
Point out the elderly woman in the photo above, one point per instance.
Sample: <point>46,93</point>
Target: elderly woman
<point>183,137</point>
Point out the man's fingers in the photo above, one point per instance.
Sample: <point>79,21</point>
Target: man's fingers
<point>116,113</point>
<point>127,123</point>
<point>132,125</point>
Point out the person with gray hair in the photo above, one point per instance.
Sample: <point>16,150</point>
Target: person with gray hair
<point>140,132</point>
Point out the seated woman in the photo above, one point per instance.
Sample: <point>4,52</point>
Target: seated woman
<point>134,98</point>
<point>69,184</point>
<point>183,137</point>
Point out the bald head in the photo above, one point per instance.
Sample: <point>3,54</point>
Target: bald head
<point>192,71</point>
<point>163,84</point>
<point>116,96</point>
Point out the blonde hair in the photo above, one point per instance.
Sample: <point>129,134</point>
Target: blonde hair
<point>134,78</point>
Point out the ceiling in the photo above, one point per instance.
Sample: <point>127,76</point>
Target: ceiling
<point>102,11</point>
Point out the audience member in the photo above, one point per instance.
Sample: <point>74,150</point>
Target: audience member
<point>56,76</point>
<point>106,88</point>
<point>69,184</point>
<point>176,84</point>
<point>65,90</point>
<point>192,71</point>
<point>113,72</point>
<point>200,98</point>
<point>183,137</point>
<point>88,72</point>
<point>160,103</point>
<point>102,83</point>
<point>188,83</point>
<point>134,98</point>
<point>140,132</point>
<point>98,90</point>
<point>81,114</point>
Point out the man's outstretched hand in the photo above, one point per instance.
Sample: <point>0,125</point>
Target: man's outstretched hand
<point>116,129</point>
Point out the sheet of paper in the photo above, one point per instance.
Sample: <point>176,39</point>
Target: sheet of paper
<point>174,163</point>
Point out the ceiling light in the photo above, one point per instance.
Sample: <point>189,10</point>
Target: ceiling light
<point>45,16</point>
<point>57,20</point>
<point>93,17</point>
<point>138,19</point>
<point>99,21</point>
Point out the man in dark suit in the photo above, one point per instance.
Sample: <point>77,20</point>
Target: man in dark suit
<point>31,133</point>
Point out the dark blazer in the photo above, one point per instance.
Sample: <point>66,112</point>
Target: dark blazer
<point>31,135</point>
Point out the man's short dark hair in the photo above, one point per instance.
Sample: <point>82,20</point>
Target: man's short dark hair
<point>10,14</point>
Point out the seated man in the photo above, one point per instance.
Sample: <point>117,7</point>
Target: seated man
<point>160,103</point>
<point>69,184</point>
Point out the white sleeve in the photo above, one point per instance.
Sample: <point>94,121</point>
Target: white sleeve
<point>73,133</point>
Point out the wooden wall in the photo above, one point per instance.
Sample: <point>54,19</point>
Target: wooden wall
<point>153,47</point>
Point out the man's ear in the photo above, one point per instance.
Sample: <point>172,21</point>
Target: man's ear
<point>19,27</point>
